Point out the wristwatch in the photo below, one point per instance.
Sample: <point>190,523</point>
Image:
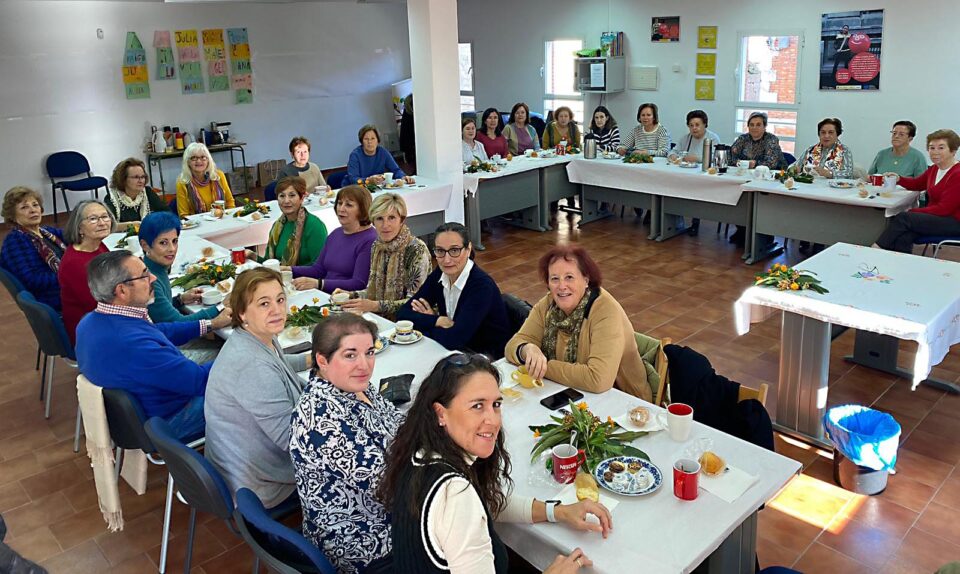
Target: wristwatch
<point>551,505</point>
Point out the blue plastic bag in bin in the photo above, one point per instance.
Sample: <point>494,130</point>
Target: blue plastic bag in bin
<point>867,437</point>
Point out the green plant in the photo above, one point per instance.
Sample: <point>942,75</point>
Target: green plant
<point>597,439</point>
<point>307,315</point>
<point>638,157</point>
<point>789,279</point>
<point>204,274</point>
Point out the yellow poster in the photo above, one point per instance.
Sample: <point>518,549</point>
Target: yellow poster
<point>706,64</point>
<point>707,37</point>
<point>704,89</point>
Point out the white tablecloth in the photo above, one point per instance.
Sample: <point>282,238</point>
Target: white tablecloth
<point>905,296</point>
<point>893,202</point>
<point>519,164</point>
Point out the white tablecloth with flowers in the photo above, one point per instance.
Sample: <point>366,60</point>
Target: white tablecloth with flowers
<point>519,164</point>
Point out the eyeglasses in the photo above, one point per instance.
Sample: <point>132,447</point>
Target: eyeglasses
<point>143,177</point>
<point>458,359</point>
<point>198,158</point>
<point>98,218</point>
<point>146,275</point>
<point>453,252</point>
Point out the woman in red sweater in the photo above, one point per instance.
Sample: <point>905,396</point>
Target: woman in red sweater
<point>90,223</point>
<point>490,133</point>
<point>941,181</point>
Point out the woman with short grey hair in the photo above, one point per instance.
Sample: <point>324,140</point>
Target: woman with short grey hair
<point>89,224</point>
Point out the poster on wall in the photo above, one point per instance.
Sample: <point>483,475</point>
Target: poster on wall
<point>215,55</point>
<point>665,29</point>
<point>166,67</point>
<point>707,37</point>
<point>706,64</point>
<point>850,45</point>
<point>188,50</point>
<point>136,78</point>
<point>704,89</point>
<point>241,72</point>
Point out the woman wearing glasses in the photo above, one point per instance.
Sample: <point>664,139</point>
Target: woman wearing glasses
<point>130,200</point>
<point>901,158</point>
<point>459,306</point>
<point>200,183</point>
<point>89,224</point>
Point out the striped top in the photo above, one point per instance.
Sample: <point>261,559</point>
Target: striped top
<point>607,140</point>
<point>657,141</point>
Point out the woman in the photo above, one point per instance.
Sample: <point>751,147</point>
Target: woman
<point>941,181</point>
<point>344,261</point>
<point>604,129</point>
<point>301,165</point>
<point>472,149</point>
<point>369,159</point>
<point>252,391</point>
<point>901,158</point>
<point>520,135</point>
<point>827,158</point>
<point>338,444</point>
<point>578,335</point>
<point>562,128</point>
<point>649,136</point>
<point>758,146</point>
<point>490,133</point>
<point>459,306</point>
<point>200,183</point>
<point>32,252</point>
<point>89,224</point>
<point>399,262</point>
<point>448,479</point>
<point>298,237</point>
<point>690,147</point>
<point>130,200</point>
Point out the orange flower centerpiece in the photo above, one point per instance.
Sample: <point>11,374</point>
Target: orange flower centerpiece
<point>789,279</point>
<point>249,207</point>
<point>204,274</point>
<point>597,439</point>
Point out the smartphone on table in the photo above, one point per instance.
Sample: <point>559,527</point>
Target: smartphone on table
<point>561,399</point>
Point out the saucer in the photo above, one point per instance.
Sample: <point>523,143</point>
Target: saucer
<point>417,335</point>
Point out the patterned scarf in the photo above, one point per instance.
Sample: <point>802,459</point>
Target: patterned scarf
<point>198,205</point>
<point>42,243</point>
<point>386,267</point>
<point>570,324</point>
<point>834,161</point>
<point>121,200</point>
<point>292,251</point>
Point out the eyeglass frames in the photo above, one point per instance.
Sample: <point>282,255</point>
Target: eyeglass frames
<point>453,252</point>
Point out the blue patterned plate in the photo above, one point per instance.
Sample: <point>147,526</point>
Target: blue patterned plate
<point>644,480</point>
<point>380,345</point>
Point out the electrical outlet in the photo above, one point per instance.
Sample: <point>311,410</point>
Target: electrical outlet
<point>99,33</point>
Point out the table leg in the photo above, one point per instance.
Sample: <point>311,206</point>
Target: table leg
<point>471,215</point>
<point>737,554</point>
<point>880,352</point>
<point>803,383</point>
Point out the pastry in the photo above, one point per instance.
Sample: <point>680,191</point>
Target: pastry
<point>711,463</point>
<point>712,170</point>
<point>616,466</point>
<point>639,416</point>
<point>207,251</point>
<point>634,467</point>
<point>608,476</point>
<point>587,488</point>
<point>256,216</point>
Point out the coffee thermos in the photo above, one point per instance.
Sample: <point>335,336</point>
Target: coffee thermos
<point>707,156</point>
<point>589,147</point>
<point>722,157</point>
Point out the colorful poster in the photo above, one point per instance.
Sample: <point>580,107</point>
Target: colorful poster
<point>215,54</point>
<point>707,37</point>
<point>136,79</point>
<point>188,50</point>
<point>166,66</point>
<point>704,89</point>
<point>665,29</point>
<point>706,64</point>
<point>241,73</point>
<point>850,45</point>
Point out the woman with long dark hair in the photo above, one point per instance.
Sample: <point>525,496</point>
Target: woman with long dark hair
<point>490,133</point>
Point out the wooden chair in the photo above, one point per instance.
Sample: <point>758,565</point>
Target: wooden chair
<point>759,394</point>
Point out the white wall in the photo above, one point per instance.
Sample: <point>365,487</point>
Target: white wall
<point>320,69</point>
<point>917,77</point>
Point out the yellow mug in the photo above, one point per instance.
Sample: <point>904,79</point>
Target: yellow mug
<point>526,381</point>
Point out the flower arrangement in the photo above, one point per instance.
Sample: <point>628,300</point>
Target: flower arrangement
<point>789,279</point>
<point>572,149</point>
<point>797,176</point>
<point>204,274</point>
<point>307,315</point>
<point>477,166</point>
<point>249,207</point>
<point>597,439</point>
<point>638,157</point>
<point>131,232</point>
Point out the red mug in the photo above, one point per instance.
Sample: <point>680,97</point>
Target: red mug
<point>876,179</point>
<point>566,460</point>
<point>238,255</point>
<point>686,479</point>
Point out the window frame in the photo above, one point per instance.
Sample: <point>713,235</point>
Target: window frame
<point>471,93</point>
<point>574,95</point>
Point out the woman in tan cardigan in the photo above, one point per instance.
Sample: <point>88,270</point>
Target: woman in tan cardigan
<point>578,335</point>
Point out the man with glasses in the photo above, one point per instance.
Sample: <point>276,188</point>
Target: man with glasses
<point>901,159</point>
<point>118,347</point>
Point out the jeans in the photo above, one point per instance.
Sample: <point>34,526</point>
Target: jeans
<point>903,229</point>
<point>188,424</point>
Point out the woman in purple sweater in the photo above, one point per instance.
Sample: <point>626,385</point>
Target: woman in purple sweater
<point>344,261</point>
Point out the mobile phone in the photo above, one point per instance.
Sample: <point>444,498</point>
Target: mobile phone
<point>561,399</point>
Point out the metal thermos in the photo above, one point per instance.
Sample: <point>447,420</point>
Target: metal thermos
<point>707,156</point>
<point>589,147</point>
<point>721,157</point>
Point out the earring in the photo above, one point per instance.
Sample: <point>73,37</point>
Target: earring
<point>441,424</point>
<point>245,324</point>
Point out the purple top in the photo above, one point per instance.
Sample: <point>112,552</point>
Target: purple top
<point>343,262</point>
<point>524,141</point>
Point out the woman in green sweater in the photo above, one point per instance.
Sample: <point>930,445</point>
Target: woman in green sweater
<point>298,236</point>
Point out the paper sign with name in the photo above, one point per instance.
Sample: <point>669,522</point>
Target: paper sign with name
<point>241,77</point>
<point>166,66</point>
<point>191,73</point>
<point>136,78</point>
<point>215,55</point>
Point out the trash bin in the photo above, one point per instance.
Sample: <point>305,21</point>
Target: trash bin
<point>865,447</point>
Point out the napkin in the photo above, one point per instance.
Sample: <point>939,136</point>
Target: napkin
<point>729,485</point>
<point>653,424</point>
<point>569,496</point>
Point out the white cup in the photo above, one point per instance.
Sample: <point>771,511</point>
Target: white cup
<point>287,277</point>
<point>321,190</point>
<point>496,157</point>
<point>890,182</point>
<point>272,264</point>
<point>340,297</point>
<point>742,166</point>
<point>211,297</point>
<point>528,153</point>
<point>678,419</point>
<point>387,177</point>
<point>133,245</point>
<point>761,172</point>
<point>404,330</point>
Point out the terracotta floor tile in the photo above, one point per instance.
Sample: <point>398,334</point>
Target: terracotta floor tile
<point>949,494</point>
<point>881,514</point>
<point>926,550</point>
<point>37,513</point>
<point>12,495</point>
<point>19,467</point>
<point>941,424</point>
<point>860,541</point>
<point>800,454</point>
<point>933,446</point>
<point>81,559</point>
<point>36,545</point>
<point>941,521</point>
<point>137,536</point>
<point>79,527</point>
<point>908,492</point>
<point>922,468</point>
<point>821,469</point>
<point>820,558</point>
<point>52,480</point>
<point>908,405</point>
<point>205,547</point>
<point>139,564</point>
<point>772,554</point>
<point>239,559</point>
<point>791,533</point>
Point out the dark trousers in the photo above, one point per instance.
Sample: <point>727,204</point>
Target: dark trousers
<point>903,229</point>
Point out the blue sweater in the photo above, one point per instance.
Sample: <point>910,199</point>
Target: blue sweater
<point>480,323</point>
<point>117,352</point>
<point>21,258</point>
<point>362,166</point>
<point>162,310</point>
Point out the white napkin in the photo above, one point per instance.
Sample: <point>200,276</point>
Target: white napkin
<point>729,485</point>
<point>653,424</point>
<point>569,496</point>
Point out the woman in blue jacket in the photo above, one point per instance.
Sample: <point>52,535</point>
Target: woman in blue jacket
<point>370,159</point>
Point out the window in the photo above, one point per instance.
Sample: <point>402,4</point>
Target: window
<point>768,81</point>
<point>467,101</point>
<point>558,82</point>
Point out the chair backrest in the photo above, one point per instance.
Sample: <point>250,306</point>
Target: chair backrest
<point>11,282</point>
<point>173,206</point>
<point>760,394</point>
<point>662,370</point>
<point>536,120</point>
<point>125,418</point>
<point>335,179</point>
<point>198,482</point>
<point>517,311</point>
<point>67,164</point>
<point>790,158</point>
<point>279,547</point>
<point>47,326</point>
<point>270,192</point>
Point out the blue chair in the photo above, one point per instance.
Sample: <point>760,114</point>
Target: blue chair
<point>938,242</point>
<point>14,287</point>
<point>790,158</point>
<point>47,326</point>
<point>173,206</point>
<point>270,192</point>
<point>282,549</point>
<point>335,179</point>
<point>70,164</point>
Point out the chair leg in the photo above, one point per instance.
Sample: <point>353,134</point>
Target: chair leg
<point>924,252</point>
<point>256,565</point>
<point>76,431</point>
<point>53,192</point>
<point>190,533</point>
<point>43,379</point>
<point>38,362</point>
<point>51,361</point>
<point>117,462</point>
<point>165,539</point>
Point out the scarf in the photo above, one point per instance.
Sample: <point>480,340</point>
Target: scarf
<point>833,161</point>
<point>292,251</point>
<point>198,205</point>
<point>570,324</point>
<point>47,245</point>
<point>386,267</point>
<point>121,200</point>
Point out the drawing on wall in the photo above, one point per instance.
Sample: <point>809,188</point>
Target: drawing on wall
<point>706,64</point>
<point>704,89</point>
<point>188,50</point>
<point>136,78</point>
<point>850,44</point>
<point>216,57</point>
<point>241,72</point>
<point>707,37</point>
<point>166,66</point>
<point>665,29</point>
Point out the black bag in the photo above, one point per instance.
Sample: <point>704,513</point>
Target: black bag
<point>396,389</point>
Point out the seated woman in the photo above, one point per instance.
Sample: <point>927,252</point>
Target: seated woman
<point>758,146</point>
<point>520,135</point>
<point>338,443</point>
<point>829,157</point>
<point>604,128</point>
<point>459,306</point>
<point>472,149</point>
<point>941,181</point>
<point>901,158</point>
<point>562,128</point>
<point>130,199</point>
<point>252,390</point>
<point>578,335</point>
<point>301,165</point>
<point>690,146</point>
<point>200,183</point>
<point>369,159</point>
<point>490,133</point>
<point>399,262</point>
<point>89,224</point>
<point>298,237</point>
<point>32,252</point>
<point>344,261</point>
<point>445,484</point>
<point>649,136</point>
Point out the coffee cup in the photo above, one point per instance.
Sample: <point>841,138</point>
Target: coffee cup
<point>890,182</point>
<point>523,377</point>
<point>272,264</point>
<point>340,297</point>
<point>404,330</point>
<point>211,297</point>
<point>287,277</point>
<point>742,166</point>
<point>679,421</point>
<point>496,157</point>
<point>761,172</point>
<point>876,179</point>
<point>566,460</point>
<point>133,245</point>
<point>387,177</point>
<point>528,153</point>
<point>321,190</point>
<point>686,479</point>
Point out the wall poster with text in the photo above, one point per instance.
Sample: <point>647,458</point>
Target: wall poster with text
<point>241,72</point>
<point>191,72</point>
<point>136,80</point>
<point>850,44</point>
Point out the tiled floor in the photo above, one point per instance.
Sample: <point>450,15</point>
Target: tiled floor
<point>683,289</point>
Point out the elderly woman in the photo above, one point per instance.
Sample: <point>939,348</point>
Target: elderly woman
<point>472,149</point>
<point>490,133</point>
<point>520,135</point>
<point>758,146</point>
<point>604,129</point>
<point>649,136</point>
<point>32,252</point>
<point>690,146</point>
<point>338,443</point>
<point>369,159</point>
<point>344,261</point>
<point>829,157</point>
<point>562,128</point>
<point>130,200</point>
<point>90,223</point>
<point>941,181</point>
<point>301,165</point>
<point>578,335</point>
<point>298,237</point>
<point>901,158</point>
<point>252,390</point>
<point>399,262</point>
<point>200,183</point>
<point>459,306</point>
